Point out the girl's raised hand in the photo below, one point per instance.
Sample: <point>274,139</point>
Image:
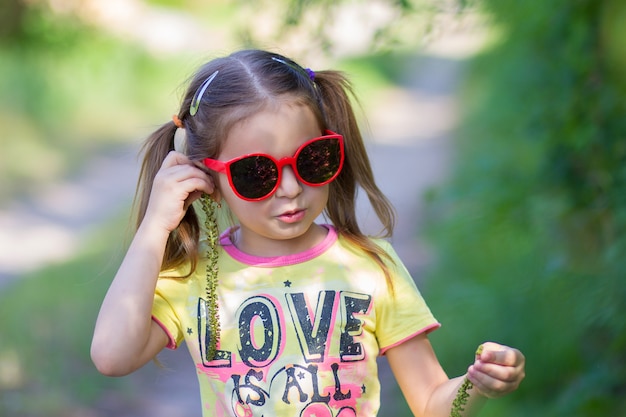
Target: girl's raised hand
<point>177,184</point>
<point>497,370</point>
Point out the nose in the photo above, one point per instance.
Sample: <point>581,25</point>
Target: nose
<point>289,185</point>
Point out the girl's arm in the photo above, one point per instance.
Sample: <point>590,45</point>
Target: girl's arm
<point>497,371</point>
<point>125,337</point>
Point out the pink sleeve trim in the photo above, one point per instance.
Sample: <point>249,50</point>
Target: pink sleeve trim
<point>172,342</point>
<point>425,330</point>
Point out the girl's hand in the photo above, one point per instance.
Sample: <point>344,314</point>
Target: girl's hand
<point>177,184</point>
<point>497,370</point>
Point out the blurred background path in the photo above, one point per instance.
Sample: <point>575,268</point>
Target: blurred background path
<point>409,147</point>
<point>50,225</point>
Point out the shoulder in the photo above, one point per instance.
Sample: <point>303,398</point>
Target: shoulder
<point>180,280</point>
<point>382,247</point>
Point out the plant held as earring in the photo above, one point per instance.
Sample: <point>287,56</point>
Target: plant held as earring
<point>209,207</point>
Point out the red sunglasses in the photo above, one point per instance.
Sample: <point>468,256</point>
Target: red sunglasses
<point>256,176</point>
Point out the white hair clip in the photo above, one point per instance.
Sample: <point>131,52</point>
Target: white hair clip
<point>195,103</point>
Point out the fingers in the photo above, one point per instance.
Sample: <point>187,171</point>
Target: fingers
<point>178,168</point>
<point>177,184</point>
<point>497,370</point>
<point>500,355</point>
<point>175,158</point>
<point>191,198</point>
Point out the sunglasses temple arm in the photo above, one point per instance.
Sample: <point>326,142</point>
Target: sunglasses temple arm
<point>214,165</point>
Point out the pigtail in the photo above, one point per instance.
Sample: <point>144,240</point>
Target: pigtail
<point>182,244</point>
<point>336,92</point>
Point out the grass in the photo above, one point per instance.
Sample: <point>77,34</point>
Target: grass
<point>46,323</point>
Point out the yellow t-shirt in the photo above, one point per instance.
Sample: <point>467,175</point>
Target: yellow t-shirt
<point>299,334</point>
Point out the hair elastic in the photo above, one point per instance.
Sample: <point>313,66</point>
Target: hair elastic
<point>177,121</point>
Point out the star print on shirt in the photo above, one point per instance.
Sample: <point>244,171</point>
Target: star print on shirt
<point>287,283</point>
<point>363,388</point>
<point>189,331</point>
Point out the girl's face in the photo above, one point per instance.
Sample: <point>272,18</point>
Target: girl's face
<point>283,223</point>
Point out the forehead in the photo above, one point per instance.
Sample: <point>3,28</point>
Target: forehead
<point>277,129</point>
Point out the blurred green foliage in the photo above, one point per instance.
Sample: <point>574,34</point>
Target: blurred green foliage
<point>68,90</point>
<point>530,231</point>
<point>47,322</point>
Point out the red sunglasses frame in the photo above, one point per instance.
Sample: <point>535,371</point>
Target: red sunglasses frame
<point>223,167</point>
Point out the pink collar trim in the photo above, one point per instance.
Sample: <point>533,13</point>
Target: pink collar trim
<point>271,262</point>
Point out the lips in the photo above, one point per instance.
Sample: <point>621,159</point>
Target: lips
<point>292,216</point>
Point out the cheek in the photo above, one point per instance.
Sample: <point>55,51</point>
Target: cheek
<point>239,207</point>
<point>322,193</point>
<point>227,192</point>
<point>221,182</point>
<point>318,196</point>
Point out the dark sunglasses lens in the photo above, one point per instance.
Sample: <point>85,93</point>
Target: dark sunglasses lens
<point>254,177</point>
<point>319,161</point>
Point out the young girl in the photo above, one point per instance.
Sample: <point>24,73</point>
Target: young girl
<point>282,316</point>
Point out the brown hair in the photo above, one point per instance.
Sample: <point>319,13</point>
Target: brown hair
<point>248,81</point>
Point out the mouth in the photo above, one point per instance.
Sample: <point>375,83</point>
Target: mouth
<point>292,216</point>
